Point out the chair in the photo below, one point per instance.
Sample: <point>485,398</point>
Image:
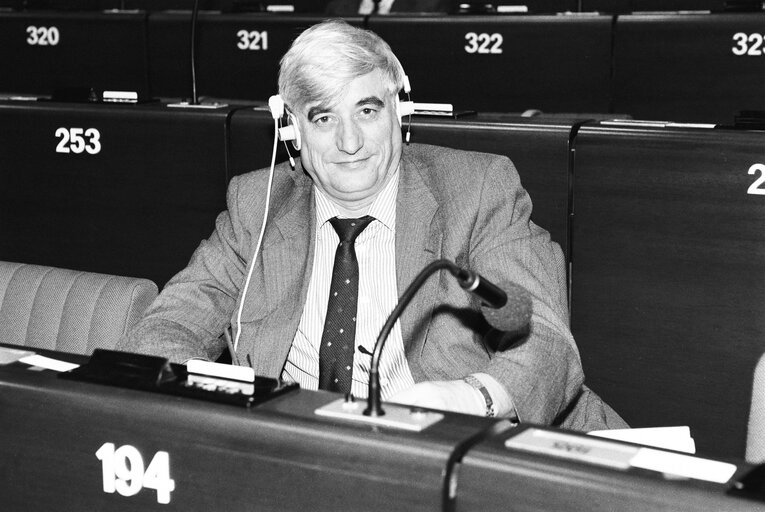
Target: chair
<point>755,439</point>
<point>67,310</point>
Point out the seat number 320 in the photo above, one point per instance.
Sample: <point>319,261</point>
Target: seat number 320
<point>124,472</point>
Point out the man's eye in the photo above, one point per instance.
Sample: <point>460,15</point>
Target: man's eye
<point>321,119</point>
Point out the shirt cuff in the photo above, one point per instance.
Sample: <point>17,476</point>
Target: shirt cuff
<point>503,402</point>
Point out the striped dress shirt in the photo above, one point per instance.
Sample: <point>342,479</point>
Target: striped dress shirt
<point>378,295</point>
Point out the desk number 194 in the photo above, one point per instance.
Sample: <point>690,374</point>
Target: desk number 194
<point>123,472</point>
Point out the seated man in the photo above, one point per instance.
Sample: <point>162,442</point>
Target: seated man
<point>294,317</point>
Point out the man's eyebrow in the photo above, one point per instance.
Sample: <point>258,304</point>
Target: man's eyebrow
<point>371,100</point>
<point>317,109</point>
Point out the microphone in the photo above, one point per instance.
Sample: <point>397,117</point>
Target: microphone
<point>515,314</point>
<point>509,314</point>
<point>488,292</point>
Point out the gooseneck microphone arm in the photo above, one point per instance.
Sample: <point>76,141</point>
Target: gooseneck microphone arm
<point>193,53</point>
<point>490,294</point>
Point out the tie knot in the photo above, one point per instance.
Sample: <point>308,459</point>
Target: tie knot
<point>349,229</point>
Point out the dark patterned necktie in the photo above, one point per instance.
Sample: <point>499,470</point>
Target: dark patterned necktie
<point>339,338</point>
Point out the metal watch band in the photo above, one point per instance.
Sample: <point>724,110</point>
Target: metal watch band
<point>470,379</point>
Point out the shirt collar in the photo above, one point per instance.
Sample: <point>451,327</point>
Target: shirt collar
<point>383,208</point>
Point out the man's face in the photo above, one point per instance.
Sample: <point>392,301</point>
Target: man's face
<point>352,148</point>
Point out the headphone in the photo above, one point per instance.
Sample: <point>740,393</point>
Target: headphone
<point>290,132</point>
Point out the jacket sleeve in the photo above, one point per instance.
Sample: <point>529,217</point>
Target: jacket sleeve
<point>542,371</point>
<point>188,317</point>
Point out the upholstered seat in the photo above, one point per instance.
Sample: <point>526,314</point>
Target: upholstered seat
<point>755,439</point>
<point>67,310</point>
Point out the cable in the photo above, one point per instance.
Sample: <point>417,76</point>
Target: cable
<point>194,14</point>
<point>260,238</point>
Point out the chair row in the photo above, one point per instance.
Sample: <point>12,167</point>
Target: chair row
<point>662,226</point>
<point>682,67</point>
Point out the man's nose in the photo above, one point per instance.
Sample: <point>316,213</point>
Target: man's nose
<point>349,137</point>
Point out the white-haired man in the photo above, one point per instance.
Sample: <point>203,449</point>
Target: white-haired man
<point>417,204</point>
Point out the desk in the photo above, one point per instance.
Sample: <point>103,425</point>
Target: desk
<point>280,456</point>
<point>276,456</point>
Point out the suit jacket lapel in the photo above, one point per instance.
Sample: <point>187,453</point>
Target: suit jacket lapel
<point>418,243</point>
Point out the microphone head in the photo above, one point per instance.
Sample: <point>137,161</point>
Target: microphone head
<point>515,314</point>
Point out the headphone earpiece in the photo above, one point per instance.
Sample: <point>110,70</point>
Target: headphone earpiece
<point>289,132</point>
<point>404,108</point>
<point>276,106</point>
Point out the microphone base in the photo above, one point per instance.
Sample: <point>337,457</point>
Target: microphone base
<point>403,417</point>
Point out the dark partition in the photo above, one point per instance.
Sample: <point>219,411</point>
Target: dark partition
<point>505,63</point>
<point>667,291</point>
<point>237,54</point>
<point>689,67</point>
<point>44,51</point>
<point>538,148</point>
<point>251,141</point>
<point>127,190</point>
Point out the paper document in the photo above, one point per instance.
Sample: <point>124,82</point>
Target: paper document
<point>668,438</point>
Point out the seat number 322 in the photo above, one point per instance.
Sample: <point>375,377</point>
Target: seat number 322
<point>124,472</point>
<point>483,43</point>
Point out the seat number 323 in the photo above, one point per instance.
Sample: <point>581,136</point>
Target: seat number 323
<point>124,472</point>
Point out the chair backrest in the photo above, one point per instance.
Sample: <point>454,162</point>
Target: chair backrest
<point>755,438</point>
<point>68,310</point>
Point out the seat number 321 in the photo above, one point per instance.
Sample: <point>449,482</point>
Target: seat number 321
<point>124,472</point>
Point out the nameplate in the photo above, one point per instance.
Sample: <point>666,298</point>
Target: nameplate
<point>557,444</point>
<point>621,456</point>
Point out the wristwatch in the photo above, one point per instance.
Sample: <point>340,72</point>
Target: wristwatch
<point>473,381</point>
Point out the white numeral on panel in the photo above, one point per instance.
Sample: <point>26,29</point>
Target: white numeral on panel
<point>123,472</point>
<point>252,40</point>
<point>757,188</point>
<point>748,44</point>
<point>78,140</point>
<point>42,36</point>
<point>483,43</point>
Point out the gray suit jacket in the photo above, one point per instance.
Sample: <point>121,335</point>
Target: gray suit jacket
<point>464,206</point>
